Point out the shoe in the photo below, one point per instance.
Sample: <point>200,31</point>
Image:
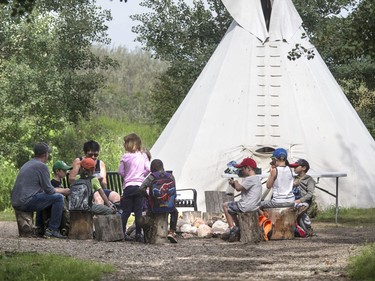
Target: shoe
<point>53,234</point>
<point>139,238</point>
<point>234,234</point>
<point>128,238</point>
<point>39,232</point>
<point>172,237</point>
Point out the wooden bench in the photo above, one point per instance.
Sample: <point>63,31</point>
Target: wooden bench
<point>115,181</point>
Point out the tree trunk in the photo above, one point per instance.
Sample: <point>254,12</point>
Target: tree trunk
<point>108,228</point>
<point>81,225</point>
<point>284,220</point>
<point>214,201</point>
<point>249,227</point>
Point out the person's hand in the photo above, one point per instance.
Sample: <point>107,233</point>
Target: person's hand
<point>231,182</point>
<point>113,207</point>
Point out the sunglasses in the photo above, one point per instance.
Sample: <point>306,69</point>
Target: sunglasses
<point>92,154</point>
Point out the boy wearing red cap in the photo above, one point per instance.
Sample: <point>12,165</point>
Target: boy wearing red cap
<point>87,170</point>
<point>251,192</point>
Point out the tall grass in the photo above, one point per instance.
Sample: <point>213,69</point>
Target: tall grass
<point>347,215</point>
<point>49,267</point>
<point>8,174</point>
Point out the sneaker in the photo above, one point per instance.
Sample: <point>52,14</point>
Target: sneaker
<point>172,237</point>
<point>128,238</point>
<point>53,234</point>
<point>234,234</point>
<point>139,238</point>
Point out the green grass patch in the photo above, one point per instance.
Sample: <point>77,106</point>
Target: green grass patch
<point>33,266</point>
<point>347,215</point>
<point>362,267</point>
<point>7,215</point>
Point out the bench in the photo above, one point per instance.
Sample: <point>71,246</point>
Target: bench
<point>114,183</point>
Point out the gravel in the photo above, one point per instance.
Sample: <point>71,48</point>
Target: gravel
<point>321,257</point>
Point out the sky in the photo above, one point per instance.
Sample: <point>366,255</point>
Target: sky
<point>120,26</point>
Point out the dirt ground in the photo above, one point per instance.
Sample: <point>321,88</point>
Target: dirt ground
<point>321,257</point>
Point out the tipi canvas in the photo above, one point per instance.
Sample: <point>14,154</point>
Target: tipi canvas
<point>250,99</point>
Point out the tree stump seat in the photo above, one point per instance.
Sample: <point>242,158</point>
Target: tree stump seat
<point>284,222</point>
<point>25,223</point>
<point>155,227</point>
<point>108,228</point>
<point>81,225</point>
<point>249,227</point>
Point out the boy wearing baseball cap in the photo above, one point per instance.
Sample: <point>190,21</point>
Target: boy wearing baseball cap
<point>251,192</point>
<point>87,168</point>
<point>303,186</point>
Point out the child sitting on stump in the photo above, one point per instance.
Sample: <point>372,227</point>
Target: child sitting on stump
<point>251,192</point>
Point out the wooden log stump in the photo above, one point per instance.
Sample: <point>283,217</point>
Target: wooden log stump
<point>25,223</point>
<point>249,227</point>
<point>214,201</point>
<point>155,228</point>
<point>81,225</point>
<point>284,221</point>
<point>108,228</point>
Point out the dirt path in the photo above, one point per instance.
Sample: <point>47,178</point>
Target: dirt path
<point>322,257</point>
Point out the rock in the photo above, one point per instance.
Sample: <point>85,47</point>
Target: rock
<point>204,231</point>
<point>219,227</point>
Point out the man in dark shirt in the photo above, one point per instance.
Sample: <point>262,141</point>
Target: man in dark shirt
<point>33,191</point>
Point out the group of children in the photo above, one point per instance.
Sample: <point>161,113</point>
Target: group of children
<point>288,190</point>
<point>136,170</point>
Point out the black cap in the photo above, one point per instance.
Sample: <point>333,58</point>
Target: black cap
<point>41,148</point>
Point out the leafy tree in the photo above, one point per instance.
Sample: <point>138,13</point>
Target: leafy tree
<point>48,73</point>
<point>185,36</point>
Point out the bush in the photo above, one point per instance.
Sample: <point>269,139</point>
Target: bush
<point>8,176</point>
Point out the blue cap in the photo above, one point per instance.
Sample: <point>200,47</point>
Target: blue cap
<point>280,153</point>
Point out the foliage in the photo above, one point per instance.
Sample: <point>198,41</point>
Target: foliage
<point>362,267</point>
<point>128,86</point>
<point>8,174</point>
<point>33,266</point>
<point>185,36</point>
<point>48,73</point>
<point>347,215</point>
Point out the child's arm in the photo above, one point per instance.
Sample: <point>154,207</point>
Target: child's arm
<point>271,177</point>
<point>74,171</point>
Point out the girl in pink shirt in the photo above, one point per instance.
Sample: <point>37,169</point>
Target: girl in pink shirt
<point>134,167</point>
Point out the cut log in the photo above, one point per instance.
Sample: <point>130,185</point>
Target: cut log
<point>155,228</point>
<point>214,201</point>
<point>284,221</point>
<point>81,225</point>
<point>249,227</point>
<point>108,228</point>
<point>25,223</point>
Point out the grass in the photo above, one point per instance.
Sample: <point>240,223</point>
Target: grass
<point>347,215</point>
<point>7,215</point>
<point>362,267</point>
<point>33,266</point>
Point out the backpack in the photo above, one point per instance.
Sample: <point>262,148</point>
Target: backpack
<point>266,226</point>
<point>81,195</point>
<point>162,192</point>
<point>303,226</point>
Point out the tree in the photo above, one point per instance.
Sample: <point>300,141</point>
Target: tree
<point>48,72</point>
<point>185,36</point>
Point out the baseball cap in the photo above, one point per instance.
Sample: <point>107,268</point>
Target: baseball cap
<point>280,153</point>
<point>60,165</point>
<point>300,162</point>
<point>247,162</point>
<point>88,164</point>
<point>41,149</point>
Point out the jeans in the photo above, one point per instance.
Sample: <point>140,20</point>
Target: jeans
<point>41,201</point>
<point>132,202</point>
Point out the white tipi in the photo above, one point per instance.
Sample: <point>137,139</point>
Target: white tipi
<point>250,99</point>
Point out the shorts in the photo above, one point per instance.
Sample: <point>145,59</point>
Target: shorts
<point>233,208</point>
